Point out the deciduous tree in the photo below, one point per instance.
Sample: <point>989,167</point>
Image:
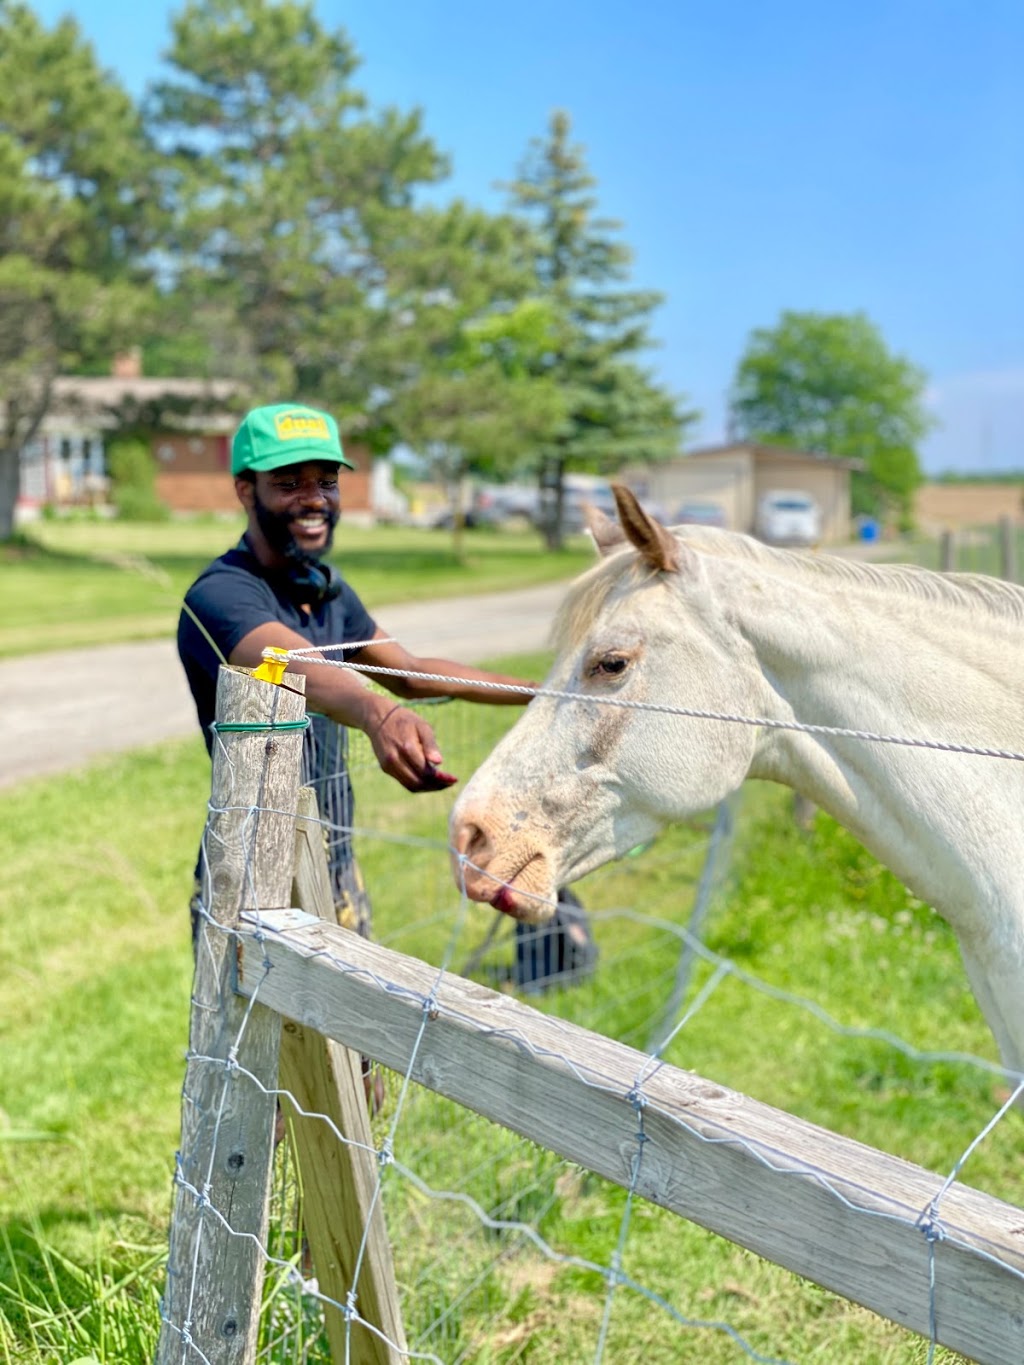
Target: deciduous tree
<point>76,219</point>
<point>481,405</point>
<point>827,382</point>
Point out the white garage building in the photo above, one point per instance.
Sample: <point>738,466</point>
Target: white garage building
<point>737,475</point>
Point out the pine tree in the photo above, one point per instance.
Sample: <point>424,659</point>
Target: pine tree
<point>616,413</point>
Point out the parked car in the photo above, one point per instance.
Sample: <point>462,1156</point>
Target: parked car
<point>788,517</point>
<point>498,503</point>
<point>694,513</point>
<point>579,491</point>
<point>578,499</point>
<point>445,520</point>
<point>493,505</point>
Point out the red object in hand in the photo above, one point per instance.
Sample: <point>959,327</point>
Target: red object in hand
<point>434,780</point>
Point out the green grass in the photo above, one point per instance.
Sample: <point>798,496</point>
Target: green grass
<point>75,583</point>
<point>93,1025</point>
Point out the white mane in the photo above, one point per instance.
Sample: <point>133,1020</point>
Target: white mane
<point>958,592</point>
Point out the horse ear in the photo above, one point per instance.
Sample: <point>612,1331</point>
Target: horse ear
<point>608,535</point>
<point>658,546</point>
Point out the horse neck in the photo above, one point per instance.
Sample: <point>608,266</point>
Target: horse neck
<point>860,658</point>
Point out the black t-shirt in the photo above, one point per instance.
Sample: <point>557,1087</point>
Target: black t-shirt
<point>233,596</point>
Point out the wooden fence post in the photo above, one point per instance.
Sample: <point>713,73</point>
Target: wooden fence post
<point>1008,549</point>
<point>211,1305</point>
<point>338,1179</point>
<point>947,552</point>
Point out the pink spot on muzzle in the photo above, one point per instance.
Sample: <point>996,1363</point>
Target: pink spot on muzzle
<point>505,901</point>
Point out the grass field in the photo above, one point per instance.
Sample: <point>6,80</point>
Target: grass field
<point>73,583</point>
<point>93,1024</point>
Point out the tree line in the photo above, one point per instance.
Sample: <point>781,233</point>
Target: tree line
<point>253,218</point>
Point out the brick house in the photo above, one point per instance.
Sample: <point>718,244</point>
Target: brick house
<point>190,424</point>
<point>193,473</point>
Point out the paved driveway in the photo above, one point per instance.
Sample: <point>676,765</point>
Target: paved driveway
<point>62,709</point>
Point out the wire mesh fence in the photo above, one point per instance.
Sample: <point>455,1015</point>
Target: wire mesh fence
<point>504,1250</point>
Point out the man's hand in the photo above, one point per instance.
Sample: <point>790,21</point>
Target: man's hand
<point>405,748</point>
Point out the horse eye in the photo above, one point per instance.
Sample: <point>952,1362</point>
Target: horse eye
<point>610,664</point>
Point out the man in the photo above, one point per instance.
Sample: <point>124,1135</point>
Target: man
<point>275,589</point>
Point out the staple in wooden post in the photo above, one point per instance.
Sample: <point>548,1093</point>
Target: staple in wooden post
<point>338,1179</point>
<point>212,1300</point>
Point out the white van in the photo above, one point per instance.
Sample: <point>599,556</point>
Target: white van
<point>788,517</point>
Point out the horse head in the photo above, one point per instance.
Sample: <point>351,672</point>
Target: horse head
<point>582,779</point>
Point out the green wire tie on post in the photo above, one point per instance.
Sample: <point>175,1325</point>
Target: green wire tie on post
<point>271,670</point>
<point>233,727</point>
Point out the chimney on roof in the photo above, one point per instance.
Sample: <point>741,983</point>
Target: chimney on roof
<point>128,364</point>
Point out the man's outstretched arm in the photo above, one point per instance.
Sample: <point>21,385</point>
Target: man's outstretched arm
<point>402,741</point>
<point>392,655</point>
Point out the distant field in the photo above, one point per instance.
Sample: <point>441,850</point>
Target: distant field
<point>71,584</point>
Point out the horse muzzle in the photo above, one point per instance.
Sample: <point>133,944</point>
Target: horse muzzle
<point>502,869</point>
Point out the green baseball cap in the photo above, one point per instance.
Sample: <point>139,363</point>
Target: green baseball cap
<point>285,433</point>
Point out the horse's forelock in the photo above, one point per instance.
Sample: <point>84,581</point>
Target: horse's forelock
<point>587,596</point>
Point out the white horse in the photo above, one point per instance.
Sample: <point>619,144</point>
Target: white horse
<point>707,620</point>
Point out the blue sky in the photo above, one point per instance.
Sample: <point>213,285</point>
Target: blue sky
<point>840,156</point>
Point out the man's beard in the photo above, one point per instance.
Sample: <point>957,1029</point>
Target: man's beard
<point>276,527</point>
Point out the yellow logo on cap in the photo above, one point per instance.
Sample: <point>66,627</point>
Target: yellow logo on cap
<point>292,425</point>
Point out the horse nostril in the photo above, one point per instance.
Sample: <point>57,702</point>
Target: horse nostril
<point>471,842</point>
